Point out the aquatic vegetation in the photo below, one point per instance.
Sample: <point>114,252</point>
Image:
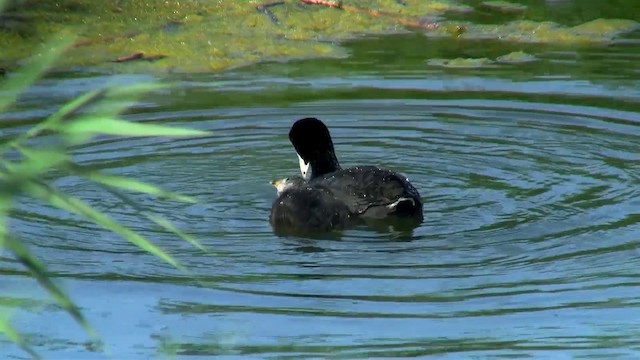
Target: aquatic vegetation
<point>503,6</point>
<point>603,28</point>
<point>196,36</point>
<point>209,36</point>
<point>467,63</point>
<point>546,32</point>
<point>516,57</point>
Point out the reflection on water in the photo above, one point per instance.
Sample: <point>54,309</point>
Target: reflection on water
<point>529,245</point>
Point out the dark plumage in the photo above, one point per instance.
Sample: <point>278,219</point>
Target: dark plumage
<point>304,209</point>
<point>368,192</point>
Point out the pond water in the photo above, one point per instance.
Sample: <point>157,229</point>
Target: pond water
<point>530,245</point>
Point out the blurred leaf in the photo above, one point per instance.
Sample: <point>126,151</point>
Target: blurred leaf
<point>110,126</point>
<point>158,220</point>
<point>100,110</point>
<point>131,184</point>
<point>56,118</point>
<point>5,206</point>
<point>107,102</point>
<point>73,106</point>
<point>76,206</point>
<point>35,67</point>
<point>167,225</point>
<point>38,271</point>
<point>118,98</point>
<point>134,91</point>
<point>35,163</point>
<point>9,186</point>
<point>7,330</point>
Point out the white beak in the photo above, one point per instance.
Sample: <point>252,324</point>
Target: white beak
<point>305,168</point>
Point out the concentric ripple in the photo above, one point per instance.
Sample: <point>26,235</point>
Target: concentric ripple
<point>529,246</point>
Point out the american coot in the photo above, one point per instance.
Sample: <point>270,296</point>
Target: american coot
<point>368,192</point>
<point>304,209</point>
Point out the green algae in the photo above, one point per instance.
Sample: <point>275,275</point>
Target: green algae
<point>203,36</point>
<point>545,32</point>
<point>605,27</point>
<point>210,36</point>
<point>516,57</point>
<point>461,63</point>
<point>503,6</point>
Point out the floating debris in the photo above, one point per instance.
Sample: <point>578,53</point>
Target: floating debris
<point>264,8</point>
<point>138,56</point>
<point>135,56</point>
<point>331,4</point>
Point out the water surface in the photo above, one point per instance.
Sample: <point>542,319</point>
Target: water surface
<point>529,174</point>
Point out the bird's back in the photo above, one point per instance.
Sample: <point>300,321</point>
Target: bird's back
<point>369,191</point>
<point>308,210</point>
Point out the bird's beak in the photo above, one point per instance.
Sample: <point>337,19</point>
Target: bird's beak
<point>275,183</point>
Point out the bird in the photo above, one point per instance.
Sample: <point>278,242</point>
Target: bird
<point>369,192</point>
<point>301,209</point>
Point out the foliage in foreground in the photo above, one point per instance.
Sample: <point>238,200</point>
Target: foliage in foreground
<point>23,168</point>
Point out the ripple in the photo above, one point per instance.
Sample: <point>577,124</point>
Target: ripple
<point>530,233</point>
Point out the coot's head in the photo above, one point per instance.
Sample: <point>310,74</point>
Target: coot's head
<point>312,141</point>
<point>294,182</point>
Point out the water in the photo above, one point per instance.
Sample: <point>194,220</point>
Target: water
<point>529,247</point>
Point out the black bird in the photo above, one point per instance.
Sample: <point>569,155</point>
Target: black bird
<point>300,209</point>
<point>368,192</point>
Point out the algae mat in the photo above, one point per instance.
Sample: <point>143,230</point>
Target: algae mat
<point>210,36</point>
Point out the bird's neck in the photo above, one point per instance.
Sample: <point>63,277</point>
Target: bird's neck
<point>325,165</point>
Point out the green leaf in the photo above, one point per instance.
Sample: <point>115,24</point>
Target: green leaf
<point>117,99</point>
<point>162,222</point>
<point>39,272</point>
<point>167,225</point>
<point>7,330</point>
<point>111,126</point>
<point>133,185</point>
<point>130,184</point>
<point>36,66</point>
<point>35,163</point>
<point>71,107</point>
<point>77,206</point>
<point>158,220</point>
<point>52,121</point>
<point>107,102</point>
<point>5,207</point>
<point>134,91</point>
